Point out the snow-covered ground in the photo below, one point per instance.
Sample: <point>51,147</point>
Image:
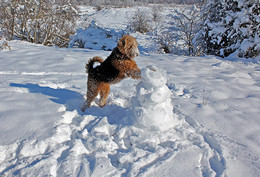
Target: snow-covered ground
<point>215,117</point>
<point>206,109</point>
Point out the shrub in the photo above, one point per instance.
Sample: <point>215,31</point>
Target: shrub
<point>38,21</point>
<point>140,22</point>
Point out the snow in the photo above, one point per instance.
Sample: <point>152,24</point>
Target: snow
<point>103,28</point>
<point>187,116</point>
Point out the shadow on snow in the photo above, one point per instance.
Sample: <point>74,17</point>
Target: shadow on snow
<point>73,100</point>
<point>70,99</point>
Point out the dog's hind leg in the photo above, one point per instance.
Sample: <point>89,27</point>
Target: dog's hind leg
<point>104,91</point>
<point>85,106</point>
<point>92,93</point>
<point>90,97</point>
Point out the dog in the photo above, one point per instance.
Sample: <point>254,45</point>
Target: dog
<point>119,65</point>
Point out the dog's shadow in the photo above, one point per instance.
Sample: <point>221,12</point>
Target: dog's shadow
<point>71,99</point>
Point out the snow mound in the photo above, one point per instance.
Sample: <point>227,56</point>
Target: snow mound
<point>152,105</point>
<point>96,38</point>
<point>44,133</point>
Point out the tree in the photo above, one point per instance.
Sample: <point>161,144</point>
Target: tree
<point>187,22</point>
<point>231,27</point>
<point>8,15</point>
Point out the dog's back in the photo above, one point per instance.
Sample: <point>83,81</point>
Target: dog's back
<point>105,72</point>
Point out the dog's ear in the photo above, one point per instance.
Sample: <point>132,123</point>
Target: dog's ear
<point>122,44</point>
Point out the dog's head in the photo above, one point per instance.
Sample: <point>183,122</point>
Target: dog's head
<point>128,46</point>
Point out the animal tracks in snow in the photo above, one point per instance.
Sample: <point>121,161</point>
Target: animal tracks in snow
<point>94,144</point>
<point>84,145</point>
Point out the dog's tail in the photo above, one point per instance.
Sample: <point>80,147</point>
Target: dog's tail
<point>91,62</point>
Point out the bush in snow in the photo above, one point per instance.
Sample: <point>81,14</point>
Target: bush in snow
<point>232,27</point>
<point>166,42</point>
<point>188,24</point>
<point>38,21</point>
<point>140,22</point>
<point>152,105</point>
<point>95,37</point>
<point>156,13</point>
<point>180,37</point>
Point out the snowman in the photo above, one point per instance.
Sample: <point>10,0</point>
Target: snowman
<point>152,105</point>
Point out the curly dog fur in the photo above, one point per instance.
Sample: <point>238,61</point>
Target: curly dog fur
<point>119,65</point>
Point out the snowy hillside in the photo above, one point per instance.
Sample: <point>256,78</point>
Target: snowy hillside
<point>101,30</point>
<point>187,116</point>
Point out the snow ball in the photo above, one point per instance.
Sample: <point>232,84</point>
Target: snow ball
<point>158,117</point>
<point>153,76</point>
<point>152,95</point>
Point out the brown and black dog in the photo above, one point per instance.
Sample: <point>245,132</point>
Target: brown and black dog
<point>119,64</point>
